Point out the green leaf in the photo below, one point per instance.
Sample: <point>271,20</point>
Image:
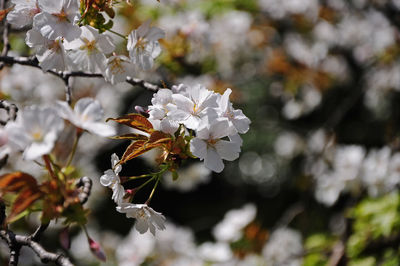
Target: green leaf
<point>368,261</point>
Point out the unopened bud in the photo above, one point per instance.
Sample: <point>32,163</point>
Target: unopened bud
<point>65,240</point>
<point>142,111</point>
<point>96,249</point>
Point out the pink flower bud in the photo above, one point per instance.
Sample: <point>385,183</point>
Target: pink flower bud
<point>142,111</point>
<point>96,249</point>
<point>64,238</point>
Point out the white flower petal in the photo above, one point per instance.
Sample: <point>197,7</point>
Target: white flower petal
<point>198,148</point>
<point>227,150</point>
<point>213,161</point>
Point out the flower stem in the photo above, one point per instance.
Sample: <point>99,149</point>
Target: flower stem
<point>154,189</point>
<point>85,230</point>
<point>138,177</point>
<point>75,145</point>
<point>47,162</point>
<point>118,34</point>
<point>145,183</point>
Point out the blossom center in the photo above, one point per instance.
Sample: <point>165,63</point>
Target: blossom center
<point>89,45</point>
<point>195,109</point>
<point>116,66</point>
<point>141,43</point>
<point>62,16</point>
<point>229,115</point>
<point>55,46</point>
<point>37,135</point>
<point>142,214</point>
<point>85,118</point>
<point>212,142</point>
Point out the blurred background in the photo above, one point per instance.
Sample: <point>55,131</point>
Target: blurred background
<point>317,179</point>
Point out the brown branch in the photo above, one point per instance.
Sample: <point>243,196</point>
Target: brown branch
<point>144,84</point>
<point>337,254</point>
<point>15,242</point>
<point>9,238</point>
<point>11,110</point>
<point>65,75</point>
<point>85,183</point>
<point>6,29</point>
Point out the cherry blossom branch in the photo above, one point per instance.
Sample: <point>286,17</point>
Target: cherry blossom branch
<point>15,242</point>
<point>6,28</point>
<point>10,239</point>
<point>11,110</point>
<point>85,183</point>
<point>66,75</point>
<point>144,84</point>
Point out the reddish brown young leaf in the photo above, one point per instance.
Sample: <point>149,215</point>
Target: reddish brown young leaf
<point>4,12</point>
<point>158,135</point>
<point>131,136</point>
<point>14,182</point>
<point>24,200</point>
<point>138,148</point>
<point>136,121</point>
<point>160,142</point>
<point>133,150</point>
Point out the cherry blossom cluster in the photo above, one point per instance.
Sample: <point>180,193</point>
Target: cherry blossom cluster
<point>146,217</point>
<point>211,126</point>
<point>61,43</point>
<point>37,129</point>
<point>215,123</point>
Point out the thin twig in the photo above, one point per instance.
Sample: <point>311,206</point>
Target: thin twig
<point>144,84</point>
<point>6,28</point>
<point>85,183</point>
<point>9,238</point>
<point>39,231</point>
<point>290,214</point>
<point>15,242</point>
<point>11,110</point>
<point>65,75</point>
<point>337,254</point>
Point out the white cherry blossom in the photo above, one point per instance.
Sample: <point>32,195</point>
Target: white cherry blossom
<point>146,217</point>
<point>111,179</point>
<point>23,12</point>
<point>35,131</point>
<point>237,120</point>
<point>87,115</point>
<point>181,89</point>
<point>57,19</point>
<point>284,247</point>
<point>230,228</point>
<point>50,53</point>
<point>119,67</point>
<point>162,105</point>
<point>190,110</point>
<point>143,45</point>
<point>209,146</point>
<point>88,51</point>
